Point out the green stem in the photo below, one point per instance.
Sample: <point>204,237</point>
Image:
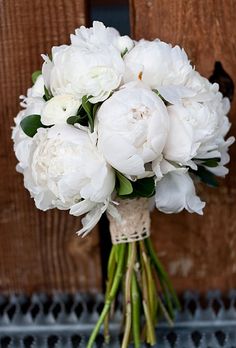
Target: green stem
<point>111,295</point>
<point>165,312</point>
<point>151,339</point>
<point>112,260</point>
<point>167,297</point>
<point>161,272</point>
<point>128,278</point>
<point>135,298</point>
<point>168,316</point>
<point>111,272</point>
<point>128,322</point>
<point>150,281</point>
<point>150,327</point>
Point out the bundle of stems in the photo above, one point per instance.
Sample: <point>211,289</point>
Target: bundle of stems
<point>136,268</point>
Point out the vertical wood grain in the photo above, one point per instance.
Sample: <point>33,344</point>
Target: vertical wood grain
<point>38,251</point>
<point>199,252</point>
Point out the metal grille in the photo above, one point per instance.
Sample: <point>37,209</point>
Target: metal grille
<point>64,320</point>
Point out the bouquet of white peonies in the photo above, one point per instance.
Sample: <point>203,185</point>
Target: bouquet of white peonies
<point>117,126</point>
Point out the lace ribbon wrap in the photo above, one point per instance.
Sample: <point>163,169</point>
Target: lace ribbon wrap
<point>135,221</point>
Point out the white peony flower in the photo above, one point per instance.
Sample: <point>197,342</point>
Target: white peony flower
<point>99,36</point>
<point>22,143</point>
<point>34,101</point>
<point>223,149</point>
<point>96,36</point>
<point>202,89</point>
<point>196,130</point>
<point>124,44</point>
<point>161,67</point>
<point>176,192</point>
<point>180,146</point>
<point>59,108</point>
<point>222,153</point>
<point>66,171</point>
<point>132,129</point>
<point>37,90</point>
<point>33,105</point>
<point>84,68</point>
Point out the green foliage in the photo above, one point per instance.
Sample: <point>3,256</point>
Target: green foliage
<point>95,108</point>
<point>30,124</point>
<point>205,176</point>
<point>88,108</point>
<point>130,189</point>
<point>124,52</point>
<point>35,75</point>
<point>160,96</point>
<point>86,114</point>
<point>73,119</point>
<point>124,186</point>
<point>47,94</point>
<point>157,92</point>
<point>143,188</point>
<point>211,162</point>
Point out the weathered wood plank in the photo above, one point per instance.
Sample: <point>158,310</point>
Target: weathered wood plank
<point>199,252</point>
<point>38,251</point>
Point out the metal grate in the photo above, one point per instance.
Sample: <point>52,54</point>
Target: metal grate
<point>66,320</point>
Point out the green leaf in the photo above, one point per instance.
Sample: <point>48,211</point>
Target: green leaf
<point>35,75</point>
<point>124,52</point>
<point>156,91</point>
<point>73,119</point>
<point>47,94</point>
<point>210,162</point>
<point>160,96</point>
<point>124,186</point>
<point>80,110</point>
<point>82,115</point>
<point>205,176</point>
<point>95,108</point>
<point>88,107</point>
<point>140,188</point>
<point>143,188</point>
<point>30,124</point>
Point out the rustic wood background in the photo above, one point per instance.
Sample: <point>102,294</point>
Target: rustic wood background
<point>39,251</point>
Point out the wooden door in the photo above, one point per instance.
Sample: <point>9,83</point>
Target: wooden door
<point>38,251</point>
<point>199,252</point>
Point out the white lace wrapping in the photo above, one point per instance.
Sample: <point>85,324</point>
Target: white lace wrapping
<point>134,223</point>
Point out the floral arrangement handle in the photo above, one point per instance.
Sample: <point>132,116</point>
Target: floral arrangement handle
<point>134,263</point>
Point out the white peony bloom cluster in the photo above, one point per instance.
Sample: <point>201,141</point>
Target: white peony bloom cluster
<point>109,116</point>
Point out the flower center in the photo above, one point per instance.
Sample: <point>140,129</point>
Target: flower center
<point>141,113</point>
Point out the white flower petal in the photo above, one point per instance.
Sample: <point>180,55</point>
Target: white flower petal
<point>175,94</point>
<point>58,109</point>
<point>91,219</point>
<point>180,146</point>
<point>176,192</point>
<point>82,207</point>
<point>113,211</point>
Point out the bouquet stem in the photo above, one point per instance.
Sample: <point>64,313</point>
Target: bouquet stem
<point>137,265</point>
